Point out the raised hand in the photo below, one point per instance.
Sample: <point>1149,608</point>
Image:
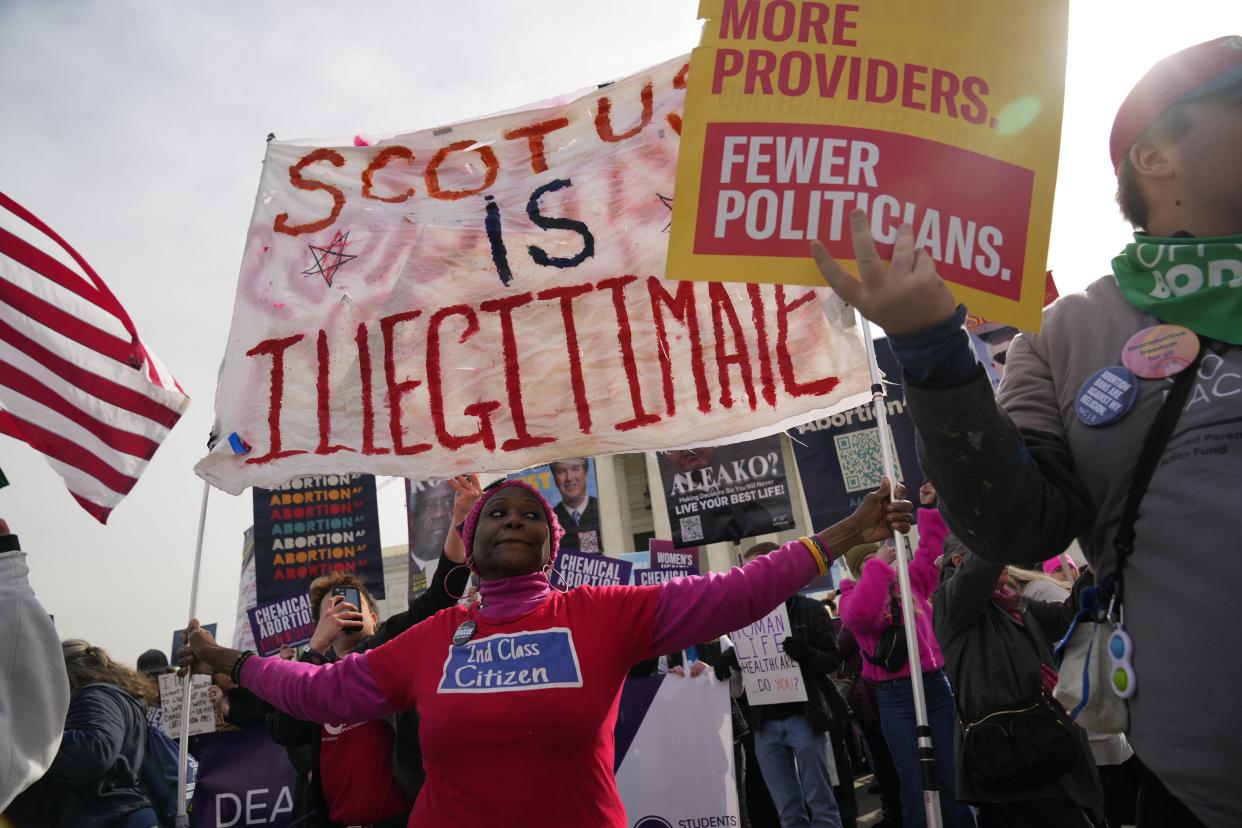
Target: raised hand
<point>467,490</point>
<point>905,297</point>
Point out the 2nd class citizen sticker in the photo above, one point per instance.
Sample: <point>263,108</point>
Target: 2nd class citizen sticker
<point>529,660</point>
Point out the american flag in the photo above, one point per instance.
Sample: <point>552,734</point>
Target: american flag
<point>76,381</point>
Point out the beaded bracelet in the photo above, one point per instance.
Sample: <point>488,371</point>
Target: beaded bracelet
<point>235,671</point>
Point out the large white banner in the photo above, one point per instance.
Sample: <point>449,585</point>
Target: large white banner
<point>675,749</point>
<point>488,296</point>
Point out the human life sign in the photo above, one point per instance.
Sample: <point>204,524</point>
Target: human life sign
<point>943,114</point>
<point>489,296</point>
<point>769,676</point>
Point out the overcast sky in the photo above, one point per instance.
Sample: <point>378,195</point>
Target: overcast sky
<point>136,130</point>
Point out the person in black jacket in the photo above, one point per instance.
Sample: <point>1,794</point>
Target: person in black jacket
<point>305,740</point>
<point>998,654</point>
<point>791,739</point>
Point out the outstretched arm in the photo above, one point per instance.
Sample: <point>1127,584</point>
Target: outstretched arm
<point>340,693</point>
<point>699,608</point>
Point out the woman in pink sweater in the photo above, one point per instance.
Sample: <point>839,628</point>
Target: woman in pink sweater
<point>868,607</point>
<point>518,694</point>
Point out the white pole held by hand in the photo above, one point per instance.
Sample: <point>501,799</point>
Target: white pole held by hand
<point>927,757</point>
<point>184,757</point>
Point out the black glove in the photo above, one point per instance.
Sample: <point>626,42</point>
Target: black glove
<point>797,650</point>
<point>722,671</point>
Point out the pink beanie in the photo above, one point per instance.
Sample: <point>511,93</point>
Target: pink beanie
<point>555,532</point>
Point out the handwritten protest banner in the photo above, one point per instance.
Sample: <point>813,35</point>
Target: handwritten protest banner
<point>285,622</point>
<point>945,115</point>
<point>769,676</point>
<point>577,568</point>
<point>202,714</point>
<point>666,555</point>
<point>313,526</point>
<point>489,296</point>
<point>726,493</point>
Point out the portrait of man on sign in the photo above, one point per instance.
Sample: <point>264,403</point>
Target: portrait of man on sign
<point>578,511</point>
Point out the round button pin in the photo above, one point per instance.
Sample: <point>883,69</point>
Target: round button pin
<point>1160,351</point>
<point>464,633</point>
<point>1106,396</point>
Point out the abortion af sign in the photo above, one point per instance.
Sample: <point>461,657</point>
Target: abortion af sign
<point>489,296</point>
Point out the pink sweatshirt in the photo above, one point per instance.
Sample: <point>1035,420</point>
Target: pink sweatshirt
<point>865,606</point>
<point>688,610</point>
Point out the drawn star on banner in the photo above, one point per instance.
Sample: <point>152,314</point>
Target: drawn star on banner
<point>330,259</point>
<point>667,201</point>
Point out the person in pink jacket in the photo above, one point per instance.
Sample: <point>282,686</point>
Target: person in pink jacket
<point>868,607</point>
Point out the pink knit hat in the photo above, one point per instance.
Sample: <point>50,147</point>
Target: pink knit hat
<point>1053,564</point>
<point>555,532</point>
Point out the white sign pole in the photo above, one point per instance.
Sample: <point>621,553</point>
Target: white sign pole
<point>926,752</point>
<point>183,819</point>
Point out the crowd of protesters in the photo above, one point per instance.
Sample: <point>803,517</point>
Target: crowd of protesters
<point>378,737</point>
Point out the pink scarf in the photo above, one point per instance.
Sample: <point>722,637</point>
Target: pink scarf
<point>507,598</point>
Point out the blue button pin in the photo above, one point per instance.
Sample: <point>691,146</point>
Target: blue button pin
<point>1106,396</point>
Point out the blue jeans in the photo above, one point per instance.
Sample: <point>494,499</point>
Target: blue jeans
<point>897,721</point>
<point>794,761</point>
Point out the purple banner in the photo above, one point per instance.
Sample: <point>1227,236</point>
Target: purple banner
<point>244,779</point>
<point>285,622</point>
<point>666,555</point>
<point>575,569</point>
<point>644,577</point>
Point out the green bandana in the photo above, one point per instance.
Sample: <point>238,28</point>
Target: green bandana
<point>1192,282</point>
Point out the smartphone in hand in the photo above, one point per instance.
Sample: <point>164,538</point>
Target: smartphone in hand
<point>351,596</point>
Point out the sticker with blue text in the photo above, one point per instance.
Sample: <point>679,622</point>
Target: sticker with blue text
<point>509,662</point>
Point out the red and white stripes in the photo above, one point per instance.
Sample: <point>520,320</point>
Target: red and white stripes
<point>76,381</point>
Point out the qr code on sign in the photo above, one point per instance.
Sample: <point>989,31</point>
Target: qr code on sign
<point>691,528</point>
<point>862,465</point>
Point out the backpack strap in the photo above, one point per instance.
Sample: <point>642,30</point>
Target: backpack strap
<point>1153,447</point>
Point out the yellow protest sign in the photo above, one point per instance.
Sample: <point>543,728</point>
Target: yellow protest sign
<point>943,114</point>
